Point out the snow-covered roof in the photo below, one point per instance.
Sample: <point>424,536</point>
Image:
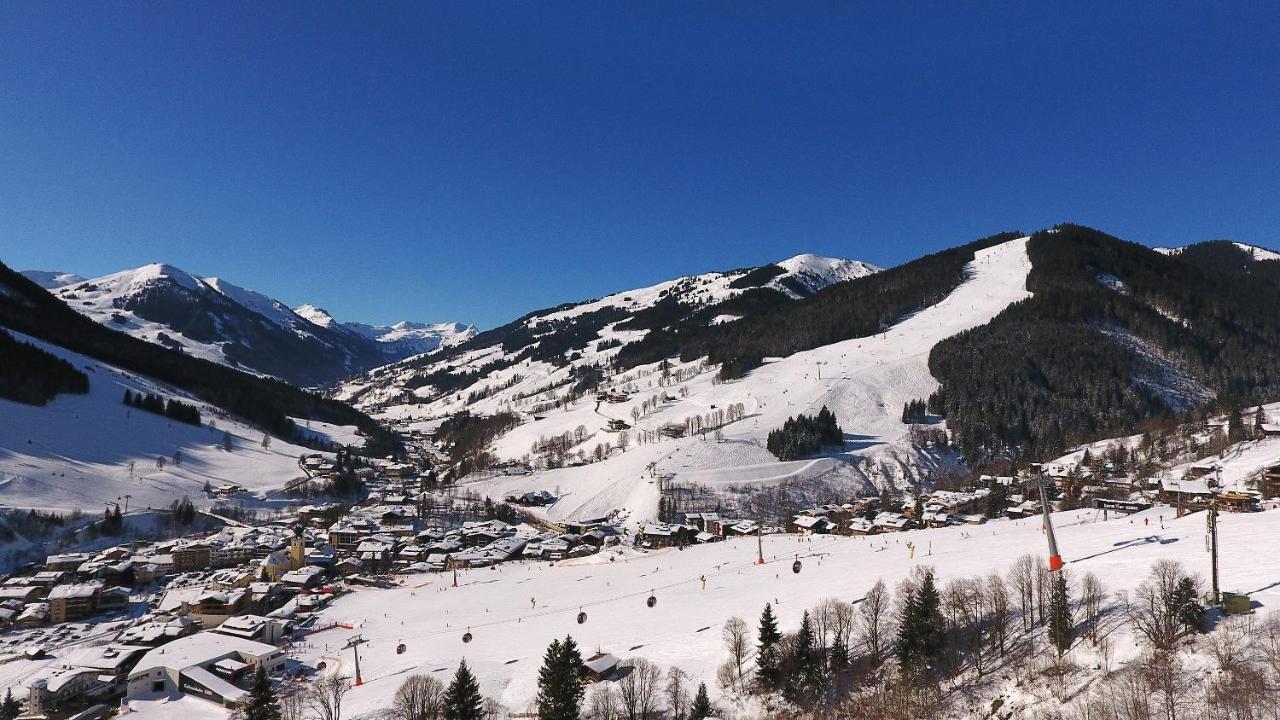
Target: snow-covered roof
<point>198,649</point>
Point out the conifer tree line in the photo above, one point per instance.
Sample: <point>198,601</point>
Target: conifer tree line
<point>173,409</point>
<point>914,411</point>
<point>804,435</point>
<point>32,376</point>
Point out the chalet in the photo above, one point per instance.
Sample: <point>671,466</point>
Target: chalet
<point>320,515</point>
<point>1200,470</point>
<point>1270,430</point>
<point>344,536</point>
<point>1191,490</point>
<point>23,593</point>
<point>66,561</point>
<point>303,577</point>
<point>892,522</point>
<point>583,525</point>
<point>1269,484</point>
<point>113,600</point>
<point>812,525</point>
<point>658,535</point>
<point>601,666</point>
<point>936,518</point>
<point>33,614</point>
<point>672,431</point>
<point>376,555</point>
<point>861,526</point>
<point>1023,509</point>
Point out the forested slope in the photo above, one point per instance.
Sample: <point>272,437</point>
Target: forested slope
<point>1115,334</point>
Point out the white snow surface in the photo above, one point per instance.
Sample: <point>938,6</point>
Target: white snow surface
<point>51,279</point>
<point>510,633</point>
<point>74,452</point>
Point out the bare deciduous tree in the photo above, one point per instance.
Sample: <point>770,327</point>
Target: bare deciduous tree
<point>602,703</point>
<point>1092,595</point>
<point>737,639</point>
<point>873,621</point>
<point>1167,681</point>
<point>677,693</point>
<point>293,702</point>
<point>638,689</point>
<point>1022,579</point>
<point>325,697</point>
<point>420,697</point>
<point>997,599</point>
<point>1153,608</point>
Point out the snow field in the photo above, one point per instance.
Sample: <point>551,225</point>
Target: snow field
<point>74,452</point>
<point>683,629</point>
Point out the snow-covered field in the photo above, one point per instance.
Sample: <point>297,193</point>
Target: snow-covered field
<point>864,381</point>
<point>683,629</point>
<point>75,452</point>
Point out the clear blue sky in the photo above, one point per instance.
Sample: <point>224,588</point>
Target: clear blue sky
<point>471,161</point>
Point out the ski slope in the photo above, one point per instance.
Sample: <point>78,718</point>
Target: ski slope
<point>74,452</point>
<point>864,381</point>
<point>510,634</point>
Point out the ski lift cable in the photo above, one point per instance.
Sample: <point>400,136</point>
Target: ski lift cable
<point>608,600</point>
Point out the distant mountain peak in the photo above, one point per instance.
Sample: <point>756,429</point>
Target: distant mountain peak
<point>51,279</point>
<point>221,321</point>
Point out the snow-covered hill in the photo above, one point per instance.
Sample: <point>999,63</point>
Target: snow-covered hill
<point>586,332</point>
<point>220,321</point>
<point>51,279</point>
<point>87,451</point>
<point>864,381</point>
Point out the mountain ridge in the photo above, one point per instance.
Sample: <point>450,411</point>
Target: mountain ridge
<point>220,321</point>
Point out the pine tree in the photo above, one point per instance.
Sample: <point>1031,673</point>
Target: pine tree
<point>1061,630</point>
<point>262,703</point>
<point>921,635</point>
<point>10,709</point>
<point>560,686</point>
<point>462,699</point>
<point>917,510</point>
<point>804,680</point>
<point>838,659</point>
<point>767,655</point>
<point>701,707</point>
<point>574,666</point>
<point>128,397</point>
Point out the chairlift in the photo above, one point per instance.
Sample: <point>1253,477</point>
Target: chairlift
<point>653,599</point>
<point>466,636</point>
<point>795,566</point>
<point>582,616</point>
<point>400,649</point>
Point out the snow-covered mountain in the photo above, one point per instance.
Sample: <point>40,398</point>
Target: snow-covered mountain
<point>401,340</point>
<point>217,320</point>
<point>50,279</point>
<point>585,333</point>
